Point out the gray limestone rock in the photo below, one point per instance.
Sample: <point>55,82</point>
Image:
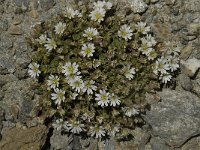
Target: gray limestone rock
<point>24,139</point>
<point>60,142</point>
<point>190,67</point>
<point>185,82</point>
<point>176,118</point>
<point>47,4</point>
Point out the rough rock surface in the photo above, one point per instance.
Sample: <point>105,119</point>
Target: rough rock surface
<point>24,139</point>
<point>176,118</point>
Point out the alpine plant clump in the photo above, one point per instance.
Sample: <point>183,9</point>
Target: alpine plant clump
<point>95,68</point>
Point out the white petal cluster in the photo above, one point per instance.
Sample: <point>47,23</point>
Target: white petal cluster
<point>77,84</point>
<point>75,127</point>
<point>34,70</point>
<point>89,87</point>
<point>59,124</point>
<point>103,4</point>
<point>42,39</point>
<point>50,44</point>
<point>165,78</point>
<point>60,28</point>
<point>129,72</point>
<point>103,98</point>
<point>125,32</point>
<point>113,131</point>
<point>90,33</point>
<point>161,66</point>
<point>97,131</point>
<point>147,47</point>
<point>71,13</point>
<point>130,111</point>
<point>114,100</point>
<point>88,50</point>
<point>53,81</point>
<point>141,27</point>
<point>97,14</point>
<point>58,96</point>
<point>70,68</point>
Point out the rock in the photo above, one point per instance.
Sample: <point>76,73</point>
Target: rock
<point>47,4</point>
<point>17,21</point>
<point>20,139</point>
<point>15,30</point>
<point>34,14</point>
<point>185,82</point>
<point>15,99</point>
<point>186,52</point>
<point>154,1</point>
<point>1,120</point>
<point>196,87</point>
<point>158,144</point>
<point>60,142</point>
<point>26,108</point>
<point>193,144</point>
<point>7,78</point>
<point>5,43</point>
<point>6,65</point>
<point>162,31</point>
<point>152,98</point>
<point>21,3</point>
<point>138,6</point>
<point>193,28</point>
<point>190,67</point>
<point>176,118</point>
<point>89,144</point>
<point>3,25</point>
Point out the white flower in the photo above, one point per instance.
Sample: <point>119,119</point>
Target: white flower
<point>60,27</point>
<point>90,33</point>
<point>103,98</point>
<point>173,63</point>
<point>107,5</point>
<point>58,96</point>
<point>34,70</point>
<point>88,50</point>
<point>53,81</point>
<point>70,13</point>
<point>73,96</point>
<point>42,39</point>
<point>145,47</point>
<point>161,66</point>
<point>89,87</point>
<point>77,13</point>
<point>76,127</point>
<point>141,27</point>
<point>112,132</point>
<point>151,40</point>
<point>129,72</point>
<point>130,111</point>
<point>125,32</point>
<point>98,14</point>
<point>70,68</point>
<point>97,131</point>
<point>114,100</point>
<point>152,55</point>
<point>165,78</point>
<point>102,4</point>
<point>99,4</point>
<point>77,84</point>
<point>50,44</point>
<point>60,124</point>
